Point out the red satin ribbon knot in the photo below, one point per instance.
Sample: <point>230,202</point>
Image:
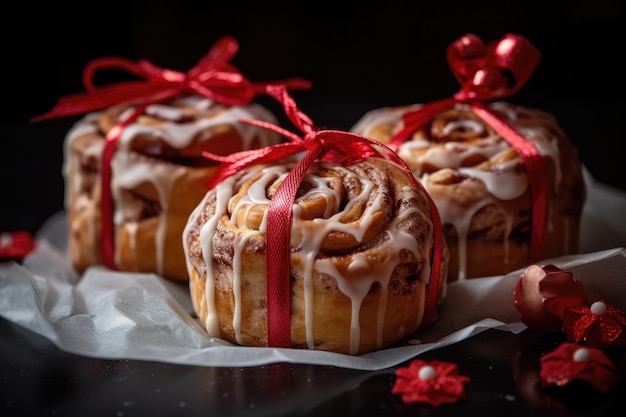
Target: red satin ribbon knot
<point>213,77</point>
<point>329,145</point>
<point>491,72</point>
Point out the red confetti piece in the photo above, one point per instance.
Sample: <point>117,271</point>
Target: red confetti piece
<point>15,245</point>
<point>571,361</point>
<point>434,383</point>
<point>600,325</point>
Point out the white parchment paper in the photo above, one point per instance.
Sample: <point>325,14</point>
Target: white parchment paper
<point>117,315</point>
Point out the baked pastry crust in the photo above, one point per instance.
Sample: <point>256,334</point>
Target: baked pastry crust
<point>480,185</point>
<point>362,241</point>
<point>158,177</point>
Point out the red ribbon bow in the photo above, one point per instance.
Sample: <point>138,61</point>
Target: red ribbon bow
<point>491,72</point>
<point>329,145</point>
<point>212,77</point>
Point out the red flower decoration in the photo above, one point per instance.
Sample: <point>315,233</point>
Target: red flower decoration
<point>15,245</point>
<point>571,361</point>
<point>544,293</point>
<point>600,325</point>
<point>435,383</point>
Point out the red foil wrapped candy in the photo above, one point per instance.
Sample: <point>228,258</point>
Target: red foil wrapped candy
<point>544,293</point>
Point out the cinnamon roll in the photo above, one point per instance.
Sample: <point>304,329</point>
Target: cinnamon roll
<point>361,252</point>
<point>480,184</point>
<point>158,176</point>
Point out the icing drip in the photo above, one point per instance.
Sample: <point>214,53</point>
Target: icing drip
<point>382,116</point>
<point>206,236</point>
<point>450,154</point>
<point>502,181</point>
<point>130,170</point>
<point>179,135</point>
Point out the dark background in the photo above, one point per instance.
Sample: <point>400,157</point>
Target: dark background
<point>359,56</point>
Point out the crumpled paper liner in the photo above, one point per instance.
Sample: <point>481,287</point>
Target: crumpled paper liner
<point>118,315</point>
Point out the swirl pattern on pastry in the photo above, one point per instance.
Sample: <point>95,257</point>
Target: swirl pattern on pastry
<point>480,184</point>
<point>361,250</point>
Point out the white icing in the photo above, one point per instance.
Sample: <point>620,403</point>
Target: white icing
<point>465,125</point>
<point>199,102</point>
<point>165,112</point>
<point>128,171</point>
<point>451,154</point>
<point>180,135</point>
<point>385,115</point>
<point>502,181</point>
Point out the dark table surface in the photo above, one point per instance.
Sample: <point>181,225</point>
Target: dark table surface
<point>37,379</point>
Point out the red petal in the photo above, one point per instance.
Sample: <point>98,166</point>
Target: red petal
<point>581,325</point>
<point>446,387</point>
<point>561,291</point>
<point>559,367</point>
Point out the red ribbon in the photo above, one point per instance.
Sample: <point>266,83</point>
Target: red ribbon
<point>16,245</point>
<point>212,77</point>
<point>329,145</point>
<point>106,201</point>
<point>492,72</point>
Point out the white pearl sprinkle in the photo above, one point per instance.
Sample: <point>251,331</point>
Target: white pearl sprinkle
<point>598,308</point>
<point>581,355</point>
<point>6,240</point>
<point>426,372</point>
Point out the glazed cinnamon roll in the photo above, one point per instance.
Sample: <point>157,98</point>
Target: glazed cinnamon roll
<point>158,176</point>
<point>480,184</point>
<point>361,252</point>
